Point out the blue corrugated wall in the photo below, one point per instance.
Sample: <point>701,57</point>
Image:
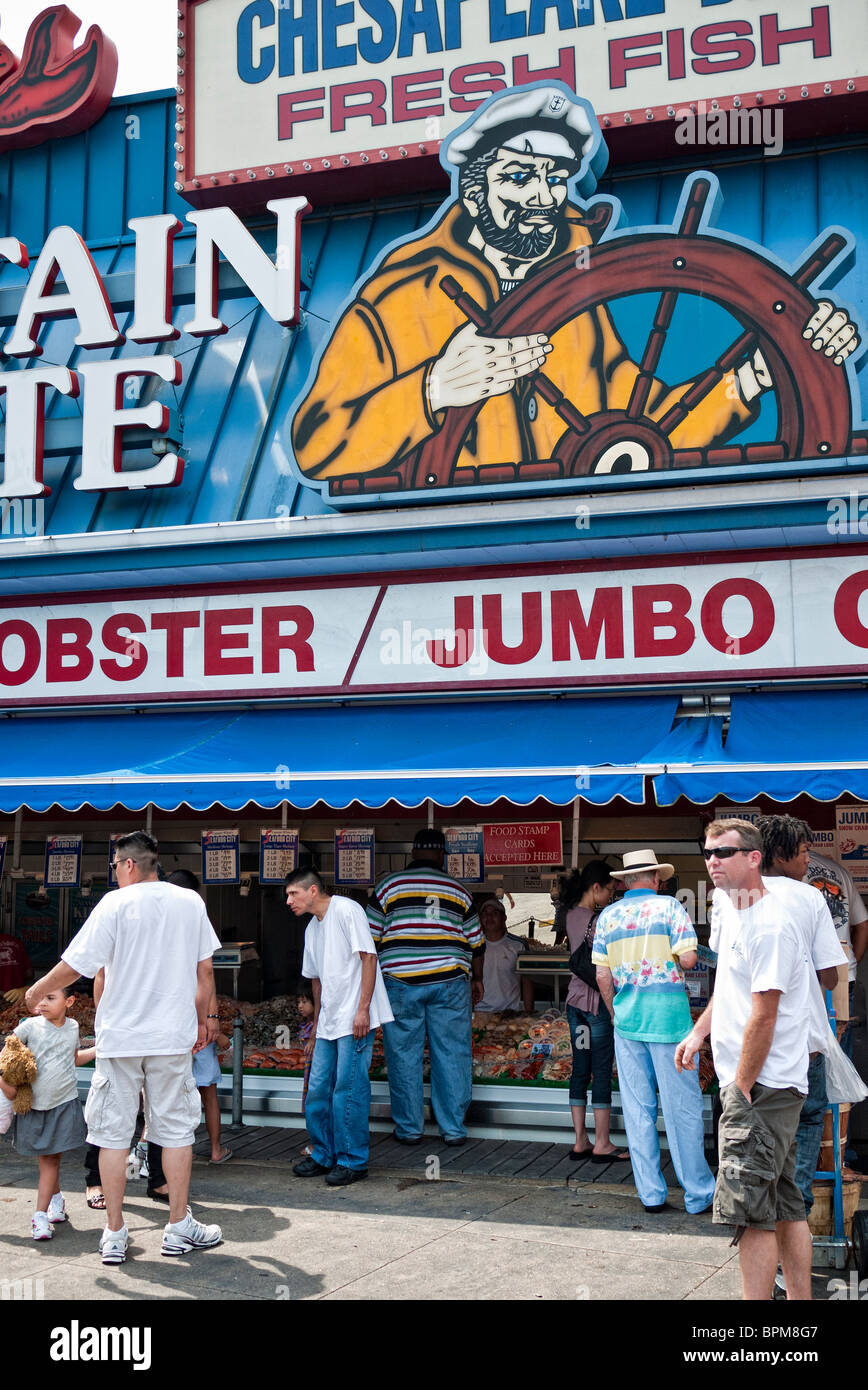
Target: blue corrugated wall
<point>238,390</point>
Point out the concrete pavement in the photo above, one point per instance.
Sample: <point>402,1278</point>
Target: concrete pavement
<point>397,1235</point>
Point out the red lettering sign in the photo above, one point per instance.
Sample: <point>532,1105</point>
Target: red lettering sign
<point>525,844</point>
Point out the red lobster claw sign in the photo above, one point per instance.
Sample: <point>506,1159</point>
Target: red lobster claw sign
<point>55,89</point>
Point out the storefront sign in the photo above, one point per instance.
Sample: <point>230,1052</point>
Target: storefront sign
<point>852,829</point>
<point>278,854</point>
<point>274,91</point>
<point>354,857</point>
<point>62,861</point>
<point>464,856</point>
<point>527,843</point>
<point>56,88</point>
<point>221,856</point>
<point>615,622</point>
<point>107,387</point>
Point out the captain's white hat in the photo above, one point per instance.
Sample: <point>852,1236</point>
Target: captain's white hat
<point>536,120</point>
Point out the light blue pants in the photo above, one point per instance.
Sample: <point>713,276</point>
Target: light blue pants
<point>338,1106</point>
<point>643,1070</point>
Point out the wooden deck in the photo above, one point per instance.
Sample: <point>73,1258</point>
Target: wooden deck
<point>496,1158</point>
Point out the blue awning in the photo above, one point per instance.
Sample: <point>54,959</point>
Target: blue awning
<point>555,748</point>
<point>780,745</point>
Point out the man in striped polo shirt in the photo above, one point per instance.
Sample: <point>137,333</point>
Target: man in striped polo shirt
<point>430,944</point>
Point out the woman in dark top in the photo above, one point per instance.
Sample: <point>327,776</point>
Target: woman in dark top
<point>583,895</point>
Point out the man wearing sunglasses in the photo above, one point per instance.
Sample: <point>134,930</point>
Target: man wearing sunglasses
<point>758,1021</point>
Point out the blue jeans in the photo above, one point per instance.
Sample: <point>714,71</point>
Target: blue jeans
<point>593,1053</point>
<point>643,1069</point>
<point>441,1010</point>
<point>339,1101</point>
<point>810,1131</point>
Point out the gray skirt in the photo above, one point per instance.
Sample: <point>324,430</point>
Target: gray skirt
<point>52,1131</point>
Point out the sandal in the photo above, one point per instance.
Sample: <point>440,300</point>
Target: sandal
<point>96,1199</point>
<point>224,1157</point>
<point>616,1156</point>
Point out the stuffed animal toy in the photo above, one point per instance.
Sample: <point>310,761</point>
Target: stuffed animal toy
<point>18,1068</point>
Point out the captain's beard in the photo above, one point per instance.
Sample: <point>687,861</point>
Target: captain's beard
<point>524,246</point>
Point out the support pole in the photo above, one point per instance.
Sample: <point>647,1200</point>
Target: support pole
<point>16,843</point>
<point>574,854</point>
<point>237,1073</point>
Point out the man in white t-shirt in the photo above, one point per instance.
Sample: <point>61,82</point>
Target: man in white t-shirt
<point>786,845</point>
<point>155,942</point>
<point>759,1038</point>
<point>502,988</point>
<point>350,1002</point>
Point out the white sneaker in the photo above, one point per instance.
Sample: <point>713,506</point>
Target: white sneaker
<point>57,1209</point>
<point>181,1236</point>
<point>40,1226</point>
<point>113,1246</point>
<point>134,1166</point>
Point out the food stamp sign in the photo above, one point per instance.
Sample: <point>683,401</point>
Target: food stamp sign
<point>527,843</point>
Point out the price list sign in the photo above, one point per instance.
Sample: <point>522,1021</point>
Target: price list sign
<point>221,856</point>
<point>63,861</point>
<point>278,854</point>
<point>464,857</point>
<point>354,856</point>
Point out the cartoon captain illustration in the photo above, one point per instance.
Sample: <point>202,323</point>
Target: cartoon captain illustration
<point>485,343</point>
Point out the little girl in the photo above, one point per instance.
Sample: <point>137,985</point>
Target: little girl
<point>55,1124</point>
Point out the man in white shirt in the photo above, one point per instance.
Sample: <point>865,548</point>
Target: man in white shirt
<point>156,944</point>
<point>350,1002</point>
<point>759,1038</point>
<point>786,844</point>
<point>503,990</point>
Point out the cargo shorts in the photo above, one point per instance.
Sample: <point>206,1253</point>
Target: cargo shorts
<point>173,1106</point>
<point>757,1159</point>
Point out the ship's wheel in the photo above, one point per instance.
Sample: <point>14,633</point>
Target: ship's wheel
<point>770,307</point>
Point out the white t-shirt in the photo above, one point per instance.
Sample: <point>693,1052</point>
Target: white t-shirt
<point>150,937</point>
<point>757,950</point>
<point>54,1053</point>
<point>499,976</point>
<point>843,901</point>
<point>809,914</point>
<point>331,955</point>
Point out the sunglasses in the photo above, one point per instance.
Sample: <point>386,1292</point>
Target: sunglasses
<point>725,852</point>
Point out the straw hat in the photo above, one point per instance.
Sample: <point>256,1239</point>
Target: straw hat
<point>638,860</point>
